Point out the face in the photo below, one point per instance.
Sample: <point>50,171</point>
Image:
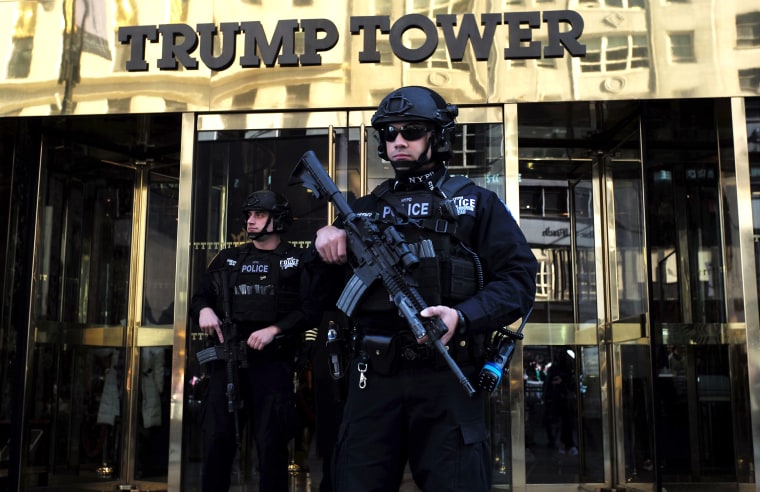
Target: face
<point>256,221</point>
<point>406,142</point>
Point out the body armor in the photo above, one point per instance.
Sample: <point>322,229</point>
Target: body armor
<point>448,272</point>
<point>265,285</point>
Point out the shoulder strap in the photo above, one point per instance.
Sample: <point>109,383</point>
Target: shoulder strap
<point>454,184</point>
<point>382,188</point>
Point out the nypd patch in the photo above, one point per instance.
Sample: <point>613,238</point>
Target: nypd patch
<point>290,262</point>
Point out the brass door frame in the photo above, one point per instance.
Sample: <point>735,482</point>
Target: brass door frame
<point>181,287</point>
<point>613,331</point>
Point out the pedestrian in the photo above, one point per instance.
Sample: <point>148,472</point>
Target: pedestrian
<point>406,406</point>
<point>269,313</point>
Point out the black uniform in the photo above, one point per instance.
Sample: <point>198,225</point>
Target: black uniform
<point>266,289</point>
<point>408,405</point>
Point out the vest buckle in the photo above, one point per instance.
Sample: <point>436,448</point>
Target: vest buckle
<point>441,225</point>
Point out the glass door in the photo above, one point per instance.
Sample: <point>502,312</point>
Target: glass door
<point>96,405</point>
<point>580,207</point>
<point>700,362</point>
<point>625,334</point>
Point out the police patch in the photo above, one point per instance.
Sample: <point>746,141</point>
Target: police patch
<point>255,267</point>
<point>466,204</point>
<point>288,263</point>
<point>414,207</point>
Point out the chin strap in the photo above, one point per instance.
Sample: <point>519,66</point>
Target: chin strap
<point>424,154</point>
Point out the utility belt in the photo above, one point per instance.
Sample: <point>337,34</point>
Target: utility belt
<point>390,354</point>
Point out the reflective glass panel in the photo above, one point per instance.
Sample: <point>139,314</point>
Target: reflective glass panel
<point>695,415</point>
<point>81,307</point>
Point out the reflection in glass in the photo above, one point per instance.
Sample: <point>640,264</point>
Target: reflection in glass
<point>637,416</point>
<point>556,211</point>
<point>563,440</point>
<point>753,132</point>
<point>84,264</point>
<point>152,443</point>
<point>152,439</point>
<point>86,219</point>
<point>160,247</point>
<point>697,404</point>
<point>630,272</point>
<point>478,154</point>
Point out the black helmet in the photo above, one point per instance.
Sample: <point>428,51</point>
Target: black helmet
<point>415,103</point>
<point>269,201</point>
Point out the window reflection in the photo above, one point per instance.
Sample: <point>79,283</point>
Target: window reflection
<point>753,131</point>
<point>563,439</point>
<point>160,247</point>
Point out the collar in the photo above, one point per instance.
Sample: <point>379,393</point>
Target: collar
<point>427,180</point>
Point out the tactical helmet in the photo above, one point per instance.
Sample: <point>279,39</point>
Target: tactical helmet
<point>416,103</point>
<point>269,201</point>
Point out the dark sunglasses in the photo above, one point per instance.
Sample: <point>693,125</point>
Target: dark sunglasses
<point>409,132</point>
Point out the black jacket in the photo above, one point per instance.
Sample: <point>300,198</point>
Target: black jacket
<point>487,227</point>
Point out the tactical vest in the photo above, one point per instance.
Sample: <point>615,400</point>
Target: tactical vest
<point>448,271</point>
<point>265,285</point>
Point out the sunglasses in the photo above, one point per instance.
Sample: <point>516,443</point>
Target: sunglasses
<point>409,132</point>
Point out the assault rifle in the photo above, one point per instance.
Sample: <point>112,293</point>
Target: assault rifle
<point>382,255</point>
<point>232,350</point>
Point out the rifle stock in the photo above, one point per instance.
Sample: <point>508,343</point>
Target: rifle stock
<point>379,255</point>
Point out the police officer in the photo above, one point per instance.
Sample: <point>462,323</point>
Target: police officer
<point>265,277</point>
<point>476,273</point>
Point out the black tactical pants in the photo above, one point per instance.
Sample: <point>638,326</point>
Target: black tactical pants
<point>420,414</point>
<point>269,408</point>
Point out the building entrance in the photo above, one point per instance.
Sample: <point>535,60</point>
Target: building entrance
<point>633,370</point>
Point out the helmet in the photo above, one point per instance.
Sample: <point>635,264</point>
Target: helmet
<point>415,103</point>
<point>269,201</point>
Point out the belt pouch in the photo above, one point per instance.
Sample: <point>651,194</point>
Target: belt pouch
<point>381,352</point>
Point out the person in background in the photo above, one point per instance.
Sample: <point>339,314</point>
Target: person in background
<point>270,312</point>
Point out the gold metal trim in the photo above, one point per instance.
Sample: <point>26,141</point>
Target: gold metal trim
<point>511,159</point>
<point>134,315</point>
<point>181,286</point>
<point>77,334</point>
<point>270,121</point>
<point>747,252</point>
<point>149,336</point>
